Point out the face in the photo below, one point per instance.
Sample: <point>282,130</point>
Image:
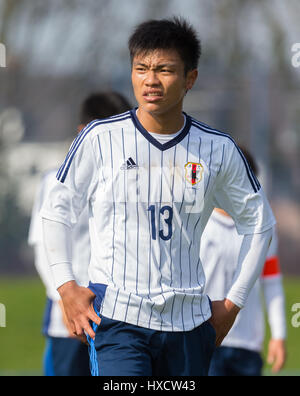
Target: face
<point>159,81</point>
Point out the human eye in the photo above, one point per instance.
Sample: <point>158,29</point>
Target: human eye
<point>166,70</point>
<point>140,69</point>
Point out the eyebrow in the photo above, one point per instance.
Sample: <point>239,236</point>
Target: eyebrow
<point>159,66</point>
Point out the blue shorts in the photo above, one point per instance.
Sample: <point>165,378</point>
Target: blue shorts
<point>122,349</point>
<point>66,357</point>
<point>228,361</point>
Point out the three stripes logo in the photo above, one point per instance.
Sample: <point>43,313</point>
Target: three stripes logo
<point>129,164</point>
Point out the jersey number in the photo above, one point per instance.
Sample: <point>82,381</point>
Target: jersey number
<point>167,213</point>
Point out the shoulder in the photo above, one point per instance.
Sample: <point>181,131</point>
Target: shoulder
<point>221,141</point>
<point>97,127</point>
<point>209,132</point>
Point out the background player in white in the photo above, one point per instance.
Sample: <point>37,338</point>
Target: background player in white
<point>152,177</point>
<point>240,352</point>
<point>65,355</point>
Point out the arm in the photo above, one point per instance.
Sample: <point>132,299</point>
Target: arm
<point>239,193</point>
<point>77,301</point>
<point>75,185</point>
<point>35,238</point>
<point>251,259</point>
<point>275,304</point>
<point>42,267</point>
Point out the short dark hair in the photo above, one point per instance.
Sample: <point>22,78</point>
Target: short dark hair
<point>175,33</point>
<point>250,159</point>
<point>102,105</point>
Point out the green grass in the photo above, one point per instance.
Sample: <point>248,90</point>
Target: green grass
<point>22,345</point>
<point>21,341</point>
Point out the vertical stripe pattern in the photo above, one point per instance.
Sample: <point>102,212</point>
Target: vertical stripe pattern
<point>145,247</point>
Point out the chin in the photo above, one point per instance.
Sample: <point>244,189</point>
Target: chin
<point>154,108</point>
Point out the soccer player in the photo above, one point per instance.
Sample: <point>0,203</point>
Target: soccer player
<point>240,352</point>
<point>65,355</point>
<point>151,177</point>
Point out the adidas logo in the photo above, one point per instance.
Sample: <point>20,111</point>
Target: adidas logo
<point>129,164</point>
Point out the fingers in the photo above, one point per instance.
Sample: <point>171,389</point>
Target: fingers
<point>270,358</point>
<point>81,338</point>
<point>276,354</point>
<point>85,327</point>
<point>78,307</point>
<point>93,316</point>
<point>79,327</point>
<point>278,361</point>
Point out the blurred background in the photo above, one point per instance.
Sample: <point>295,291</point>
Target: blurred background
<point>57,52</point>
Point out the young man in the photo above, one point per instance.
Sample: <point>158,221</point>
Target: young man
<point>65,355</point>
<point>240,352</point>
<point>152,177</point>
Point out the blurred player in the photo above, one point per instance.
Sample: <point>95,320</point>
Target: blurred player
<point>65,355</point>
<point>152,177</point>
<point>240,352</point>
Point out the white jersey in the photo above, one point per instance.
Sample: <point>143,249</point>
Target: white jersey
<point>53,322</point>
<point>149,203</point>
<point>220,247</point>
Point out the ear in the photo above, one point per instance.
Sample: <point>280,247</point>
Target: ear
<point>191,78</point>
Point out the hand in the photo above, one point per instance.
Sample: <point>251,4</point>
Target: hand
<point>78,307</point>
<point>65,319</point>
<point>223,316</point>
<point>276,354</point>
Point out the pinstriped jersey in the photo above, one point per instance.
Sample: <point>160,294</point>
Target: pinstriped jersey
<point>149,204</point>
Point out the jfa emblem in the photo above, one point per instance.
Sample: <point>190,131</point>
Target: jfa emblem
<point>193,172</point>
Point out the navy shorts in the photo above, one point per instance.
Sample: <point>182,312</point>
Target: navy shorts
<point>228,361</point>
<point>122,349</point>
<point>66,357</point>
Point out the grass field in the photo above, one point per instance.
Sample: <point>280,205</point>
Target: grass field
<point>21,342</point>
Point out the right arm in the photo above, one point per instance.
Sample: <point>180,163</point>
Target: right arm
<point>35,237</point>
<point>77,301</point>
<point>76,181</point>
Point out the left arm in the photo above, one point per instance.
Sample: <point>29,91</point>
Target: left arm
<point>271,282</point>
<point>239,193</point>
<point>251,260</point>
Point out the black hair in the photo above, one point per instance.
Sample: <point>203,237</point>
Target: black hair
<point>102,105</point>
<point>251,161</point>
<point>175,33</point>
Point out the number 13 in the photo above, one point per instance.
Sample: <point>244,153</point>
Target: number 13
<point>167,220</point>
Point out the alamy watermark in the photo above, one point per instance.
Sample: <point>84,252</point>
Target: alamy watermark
<point>2,315</point>
<point>296,56</point>
<point>296,317</point>
<point>2,55</point>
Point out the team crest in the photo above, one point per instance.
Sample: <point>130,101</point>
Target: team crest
<point>193,172</point>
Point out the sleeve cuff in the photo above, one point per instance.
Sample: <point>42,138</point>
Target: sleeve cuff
<point>62,273</point>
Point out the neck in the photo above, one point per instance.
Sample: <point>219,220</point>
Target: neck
<point>166,123</point>
<point>222,212</point>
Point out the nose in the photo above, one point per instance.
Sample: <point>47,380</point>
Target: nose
<point>152,78</point>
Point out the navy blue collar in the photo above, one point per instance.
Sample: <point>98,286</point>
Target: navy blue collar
<point>156,143</point>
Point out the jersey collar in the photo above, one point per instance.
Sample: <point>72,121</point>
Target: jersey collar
<point>152,140</point>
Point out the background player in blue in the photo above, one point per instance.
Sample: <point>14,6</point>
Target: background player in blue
<point>65,355</point>
<point>152,177</point>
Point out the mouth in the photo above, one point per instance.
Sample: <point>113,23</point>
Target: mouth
<point>152,96</point>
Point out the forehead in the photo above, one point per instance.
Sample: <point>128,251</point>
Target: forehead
<point>158,56</point>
